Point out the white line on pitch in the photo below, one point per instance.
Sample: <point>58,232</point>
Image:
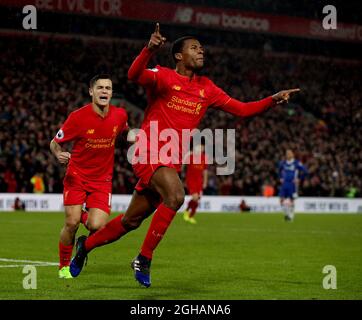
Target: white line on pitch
<point>29,261</point>
<point>23,265</point>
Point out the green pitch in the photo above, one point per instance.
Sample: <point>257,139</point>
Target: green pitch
<point>224,256</point>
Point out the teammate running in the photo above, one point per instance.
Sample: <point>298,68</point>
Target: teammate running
<point>93,130</point>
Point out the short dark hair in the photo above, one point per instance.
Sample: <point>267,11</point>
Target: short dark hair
<point>178,44</point>
<point>97,77</point>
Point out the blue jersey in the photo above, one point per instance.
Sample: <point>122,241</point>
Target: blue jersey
<point>289,171</point>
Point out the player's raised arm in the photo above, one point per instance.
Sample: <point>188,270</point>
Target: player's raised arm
<point>156,40</point>
<point>138,72</point>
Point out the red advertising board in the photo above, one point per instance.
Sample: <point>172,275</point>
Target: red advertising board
<point>198,16</point>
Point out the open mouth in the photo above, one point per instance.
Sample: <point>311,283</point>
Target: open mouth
<point>103,98</point>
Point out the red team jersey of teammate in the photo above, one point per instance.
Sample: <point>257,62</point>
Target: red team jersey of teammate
<point>90,167</point>
<point>195,173</point>
<point>178,102</point>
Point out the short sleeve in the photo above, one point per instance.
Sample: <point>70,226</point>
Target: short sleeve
<point>69,131</point>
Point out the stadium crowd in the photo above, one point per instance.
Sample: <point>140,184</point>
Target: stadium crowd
<point>44,79</point>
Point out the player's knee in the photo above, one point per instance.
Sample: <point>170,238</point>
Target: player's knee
<point>93,226</point>
<point>71,226</point>
<point>175,200</point>
<point>131,223</point>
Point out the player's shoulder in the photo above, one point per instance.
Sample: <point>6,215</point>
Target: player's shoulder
<point>207,84</point>
<point>81,111</point>
<point>119,115</point>
<point>160,69</point>
<point>118,110</point>
<point>205,80</point>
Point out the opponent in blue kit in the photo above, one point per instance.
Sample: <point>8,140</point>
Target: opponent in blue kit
<point>291,171</point>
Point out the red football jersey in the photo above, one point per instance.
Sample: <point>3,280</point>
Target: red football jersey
<point>195,170</point>
<point>178,102</point>
<point>92,155</point>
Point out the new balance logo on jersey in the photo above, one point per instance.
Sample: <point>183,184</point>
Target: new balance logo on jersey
<point>177,88</point>
<point>90,131</point>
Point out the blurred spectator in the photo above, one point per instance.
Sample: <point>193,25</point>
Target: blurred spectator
<point>18,204</point>
<point>244,207</point>
<point>268,190</point>
<point>38,183</point>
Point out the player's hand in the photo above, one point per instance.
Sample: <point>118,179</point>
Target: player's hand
<point>156,40</point>
<point>284,95</point>
<point>63,157</point>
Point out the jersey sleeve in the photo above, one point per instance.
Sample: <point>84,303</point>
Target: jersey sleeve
<point>69,130</point>
<point>138,71</point>
<point>302,170</point>
<point>219,99</point>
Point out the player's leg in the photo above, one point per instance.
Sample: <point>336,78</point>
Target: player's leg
<point>186,213</point>
<point>291,209</point>
<point>293,197</point>
<point>283,206</point>
<point>67,236</point>
<point>195,203</point>
<point>284,201</point>
<point>74,197</point>
<point>84,217</point>
<point>99,202</point>
<point>289,204</point>
<point>97,218</point>
<point>140,207</point>
<point>192,204</point>
<point>167,183</point>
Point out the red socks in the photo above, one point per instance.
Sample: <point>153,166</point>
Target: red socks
<point>111,232</point>
<point>161,219</point>
<point>114,229</point>
<point>65,254</point>
<point>193,206</point>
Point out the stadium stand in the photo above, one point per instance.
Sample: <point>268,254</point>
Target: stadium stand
<point>45,78</point>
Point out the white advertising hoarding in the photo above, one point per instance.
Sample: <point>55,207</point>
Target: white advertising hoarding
<point>54,202</point>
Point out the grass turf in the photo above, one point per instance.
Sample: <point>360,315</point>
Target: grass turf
<point>224,256</point>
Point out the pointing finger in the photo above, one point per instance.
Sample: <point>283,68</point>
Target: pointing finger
<point>157,29</point>
<point>293,90</point>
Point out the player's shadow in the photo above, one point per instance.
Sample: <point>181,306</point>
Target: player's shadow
<point>124,282</point>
